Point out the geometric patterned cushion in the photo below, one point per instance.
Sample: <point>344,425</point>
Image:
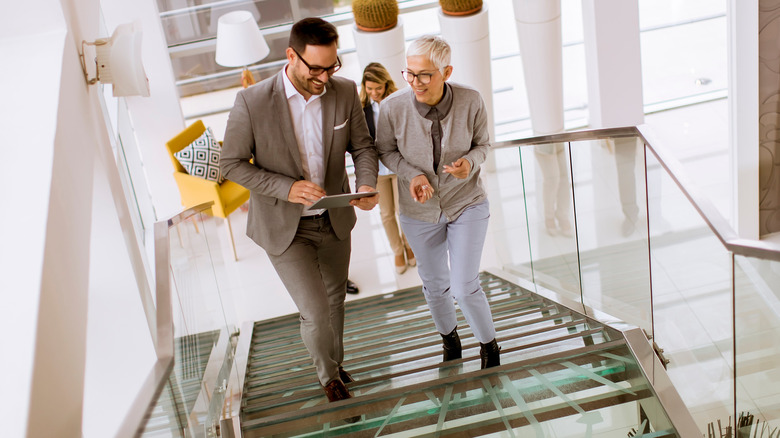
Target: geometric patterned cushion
<point>201,157</point>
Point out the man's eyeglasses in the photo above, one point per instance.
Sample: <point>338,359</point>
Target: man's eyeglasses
<point>424,78</point>
<point>316,70</point>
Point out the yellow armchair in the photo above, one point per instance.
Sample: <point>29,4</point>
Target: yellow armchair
<point>227,197</point>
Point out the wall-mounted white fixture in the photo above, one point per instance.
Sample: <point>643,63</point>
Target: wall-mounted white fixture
<point>117,61</point>
<point>240,43</point>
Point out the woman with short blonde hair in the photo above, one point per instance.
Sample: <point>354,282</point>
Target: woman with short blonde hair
<point>434,135</point>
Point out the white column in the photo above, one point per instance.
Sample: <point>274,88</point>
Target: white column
<point>614,73</point>
<point>744,115</point>
<point>469,38</point>
<point>539,33</point>
<point>385,47</point>
<point>613,62</point>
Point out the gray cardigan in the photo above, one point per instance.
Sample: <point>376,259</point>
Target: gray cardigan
<point>403,140</point>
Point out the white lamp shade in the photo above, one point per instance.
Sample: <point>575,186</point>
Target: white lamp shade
<point>239,40</point>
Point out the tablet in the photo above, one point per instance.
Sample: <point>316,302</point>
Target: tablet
<point>336,201</point>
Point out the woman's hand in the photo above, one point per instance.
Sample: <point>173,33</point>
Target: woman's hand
<point>459,169</point>
<point>420,189</point>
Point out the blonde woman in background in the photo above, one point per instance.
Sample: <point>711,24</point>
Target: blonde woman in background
<point>374,87</point>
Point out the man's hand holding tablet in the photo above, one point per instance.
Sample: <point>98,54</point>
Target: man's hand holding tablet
<point>364,200</point>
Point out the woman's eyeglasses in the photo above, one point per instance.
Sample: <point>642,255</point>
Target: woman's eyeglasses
<point>424,78</point>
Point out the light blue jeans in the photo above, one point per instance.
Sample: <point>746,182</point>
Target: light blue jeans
<point>448,256</point>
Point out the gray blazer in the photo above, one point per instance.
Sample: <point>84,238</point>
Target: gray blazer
<point>260,128</point>
<point>403,139</point>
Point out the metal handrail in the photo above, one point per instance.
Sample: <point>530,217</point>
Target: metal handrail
<point>135,420</point>
<point>639,344</point>
<point>715,221</point>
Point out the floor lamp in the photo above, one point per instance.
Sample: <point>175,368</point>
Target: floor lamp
<point>240,43</point>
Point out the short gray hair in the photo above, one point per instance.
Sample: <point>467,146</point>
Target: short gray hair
<point>432,47</point>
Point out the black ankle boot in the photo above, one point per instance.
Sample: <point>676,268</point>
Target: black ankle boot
<point>490,354</point>
<point>451,345</point>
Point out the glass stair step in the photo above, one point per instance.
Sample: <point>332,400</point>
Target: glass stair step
<point>429,346</point>
<point>358,324</point>
<point>269,359</point>
<point>517,396</point>
<point>398,372</point>
<point>394,352</point>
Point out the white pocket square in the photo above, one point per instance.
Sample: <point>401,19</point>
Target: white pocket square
<point>337,127</point>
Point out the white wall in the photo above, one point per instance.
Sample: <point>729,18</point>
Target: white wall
<point>28,127</point>
<point>118,337</point>
<point>56,262</point>
<point>60,343</point>
<point>120,351</point>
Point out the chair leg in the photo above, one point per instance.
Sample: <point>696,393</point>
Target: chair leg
<point>178,231</point>
<point>230,236</point>
<point>195,222</point>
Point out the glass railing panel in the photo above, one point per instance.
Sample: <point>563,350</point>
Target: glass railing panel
<point>194,396</point>
<point>197,23</point>
<point>692,299</point>
<point>508,218</point>
<point>196,254</point>
<point>166,419</point>
<point>192,54</point>
<point>757,328</point>
<point>190,66</point>
<point>610,203</point>
<point>550,215</point>
<point>171,6</point>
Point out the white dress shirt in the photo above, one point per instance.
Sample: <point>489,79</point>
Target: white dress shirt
<point>307,123</point>
<point>375,109</point>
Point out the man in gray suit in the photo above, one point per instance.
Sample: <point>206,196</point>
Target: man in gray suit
<point>296,127</point>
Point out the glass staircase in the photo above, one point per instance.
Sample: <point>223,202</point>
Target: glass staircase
<point>562,374</point>
<point>657,262</point>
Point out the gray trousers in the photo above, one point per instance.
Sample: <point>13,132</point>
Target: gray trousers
<point>314,270</point>
<point>461,242</point>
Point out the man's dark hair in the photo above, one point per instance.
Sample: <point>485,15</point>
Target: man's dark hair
<point>312,31</point>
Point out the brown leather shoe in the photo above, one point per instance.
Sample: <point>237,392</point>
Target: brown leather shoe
<point>335,391</point>
<point>345,376</point>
